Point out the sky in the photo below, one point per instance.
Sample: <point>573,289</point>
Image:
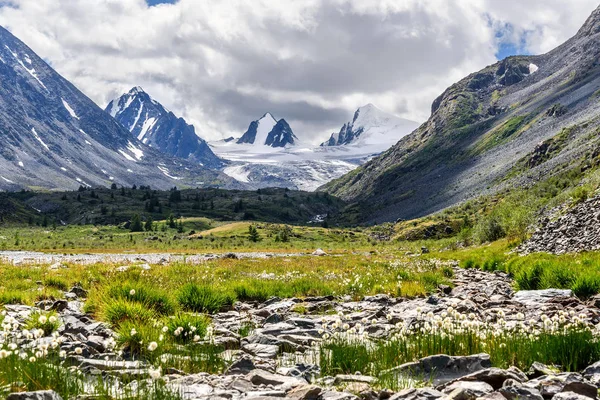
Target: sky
<point>222,64</point>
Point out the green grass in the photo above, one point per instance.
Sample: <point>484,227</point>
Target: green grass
<point>564,340</point>
<point>188,328</point>
<point>119,311</point>
<point>204,298</point>
<point>48,322</point>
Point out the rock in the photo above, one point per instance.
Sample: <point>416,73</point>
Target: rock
<point>59,305</point>
<point>39,395</point>
<point>582,388</point>
<point>424,250</point>
<point>78,291</point>
<point>492,376</point>
<point>319,252</point>
<point>331,395</point>
<point>592,373</point>
<point>443,368</point>
<point>306,392</point>
<point>570,396</point>
<point>260,377</point>
<point>417,394</point>
<point>339,379</point>
<point>274,318</point>
<point>465,390</point>
<point>520,393</point>
<point>533,298</point>
<point>241,367</point>
<point>261,350</point>
<point>104,365</point>
<point>538,369</point>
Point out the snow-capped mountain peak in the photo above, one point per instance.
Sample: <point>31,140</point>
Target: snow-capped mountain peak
<point>372,126</point>
<point>268,131</point>
<point>157,127</point>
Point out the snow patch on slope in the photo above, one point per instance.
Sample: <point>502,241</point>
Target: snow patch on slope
<point>533,68</point>
<point>69,108</point>
<point>31,71</point>
<point>148,125</point>
<point>238,172</point>
<point>166,172</point>
<point>265,126</point>
<point>39,139</point>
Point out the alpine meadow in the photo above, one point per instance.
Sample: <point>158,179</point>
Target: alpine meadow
<point>302,200</point>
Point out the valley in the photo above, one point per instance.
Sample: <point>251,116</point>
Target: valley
<point>141,257</point>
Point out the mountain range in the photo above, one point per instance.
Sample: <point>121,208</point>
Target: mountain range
<point>513,123</point>
<point>267,131</point>
<point>54,137</point>
<point>270,154</point>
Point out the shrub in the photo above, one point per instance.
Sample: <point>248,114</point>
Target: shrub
<point>488,229</point>
<point>580,194</point>
<point>204,298</point>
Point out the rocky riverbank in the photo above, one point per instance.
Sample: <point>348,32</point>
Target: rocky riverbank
<point>278,357</point>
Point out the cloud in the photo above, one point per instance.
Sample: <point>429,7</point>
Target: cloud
<point>221,64</point>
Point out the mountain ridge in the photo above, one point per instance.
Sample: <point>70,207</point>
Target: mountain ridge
<point>154,125</point>
<point>371,124</point>
<point>57,138</point>
<point>481,132</point>
<point>268,131</point>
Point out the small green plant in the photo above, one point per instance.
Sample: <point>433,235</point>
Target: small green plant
<point>580,194</point>
<point>118,311</point>
<point>204,298</point>
<point>140,338</point>
<point>46,321</point>
<point>152,297</point>
<point>186,328</point>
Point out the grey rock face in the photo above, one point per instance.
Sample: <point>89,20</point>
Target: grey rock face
<point>278,132</point>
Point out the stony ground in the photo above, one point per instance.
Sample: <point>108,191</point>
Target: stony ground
<point>277,359</point>
<point>34,257</point>
<point>574,231</point>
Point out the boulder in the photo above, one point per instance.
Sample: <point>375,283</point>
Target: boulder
<point>443,368</point>
<point>39,395</point>
<point>417,394</point>
<point>495,377</point>
<point>532,298</point>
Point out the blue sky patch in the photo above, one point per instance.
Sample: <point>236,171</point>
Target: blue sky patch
<point>157,2</point>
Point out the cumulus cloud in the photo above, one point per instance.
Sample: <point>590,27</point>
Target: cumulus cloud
<point>221,64</point>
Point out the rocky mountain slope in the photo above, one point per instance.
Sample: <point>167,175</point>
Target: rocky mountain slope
<point>54,137</point>
<point>575,230</point>
<point>267,131</point>
<point>509,124</point>
<point>371,125</point>
<point>159,128</point>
